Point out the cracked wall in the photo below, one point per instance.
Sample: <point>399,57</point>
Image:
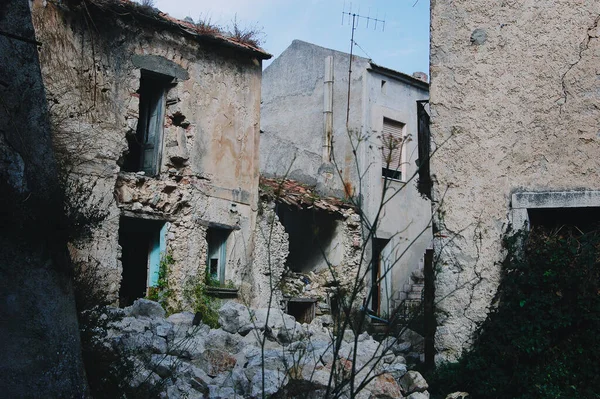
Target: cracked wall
<point>208,173</point>
<point>515,100</point>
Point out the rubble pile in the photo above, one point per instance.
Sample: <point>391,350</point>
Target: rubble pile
<point>182,357</point>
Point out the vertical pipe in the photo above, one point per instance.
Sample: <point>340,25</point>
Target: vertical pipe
<point>328,108</point>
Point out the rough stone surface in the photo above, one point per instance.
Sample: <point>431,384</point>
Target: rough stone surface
<point>413,382</point>
<point>518,113</point>
<point>41,352</point>
<point>270,253</point>
<point>214,363</point>
<point>234,317</point>
<point>145,307</point>
<point>208,168</point>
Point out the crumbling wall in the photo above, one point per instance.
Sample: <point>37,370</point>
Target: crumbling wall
<point>326,283</point>
<point>271,250</point>
<point>208,175</point>
<point>515,106</point>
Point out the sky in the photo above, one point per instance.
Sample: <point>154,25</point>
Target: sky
<point>402,45</point>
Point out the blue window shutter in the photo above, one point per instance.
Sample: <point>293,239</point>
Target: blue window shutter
<point>222,259</point>
<point>158,249</point>
<point>153,137</point>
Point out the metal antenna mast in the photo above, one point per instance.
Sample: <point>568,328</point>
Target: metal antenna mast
<point>356,17</point>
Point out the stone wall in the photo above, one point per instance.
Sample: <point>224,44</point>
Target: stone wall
<point>41,351</point>
<point>208,171</point>
<point>271,249</point>
<point>325,284</point>
<point>515,107</point>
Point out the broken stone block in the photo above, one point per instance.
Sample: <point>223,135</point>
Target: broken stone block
<point>125,194</point>
<point>145,307</point>
<point>412,382</point>
<point>233,316</point>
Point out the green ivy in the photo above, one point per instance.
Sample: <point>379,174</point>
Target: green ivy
<point>542,341</point>
<point>161,293</point>
<point>195,294</point>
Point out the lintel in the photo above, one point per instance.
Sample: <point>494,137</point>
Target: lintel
<point>556,199</point>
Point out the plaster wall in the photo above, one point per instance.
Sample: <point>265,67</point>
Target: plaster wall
<point>293,120</point>
<point>209,166</point>
<point>405,217</point>
<point>293,123</point>
<point>515,100</point>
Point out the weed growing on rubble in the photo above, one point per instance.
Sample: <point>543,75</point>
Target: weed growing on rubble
<point>196,295</point>
<point>162,293</point>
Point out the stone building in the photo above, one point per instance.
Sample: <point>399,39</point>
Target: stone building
<point>515,108</point>
<point>348,141</point>
<point>156,127</point>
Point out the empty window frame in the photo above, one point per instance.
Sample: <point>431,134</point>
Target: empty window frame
<point>143,244</point>
<point>391,149</point>
<point>145,146</point>
<point>217,254</point>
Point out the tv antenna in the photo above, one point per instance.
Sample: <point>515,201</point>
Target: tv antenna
<point>356,17</point>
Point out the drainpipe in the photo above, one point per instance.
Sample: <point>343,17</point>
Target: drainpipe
<point>328,108</point>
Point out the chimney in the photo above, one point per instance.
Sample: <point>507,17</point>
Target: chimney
<point>421,76</point>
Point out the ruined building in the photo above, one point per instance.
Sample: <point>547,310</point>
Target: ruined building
<point>337,141</point>
<point>156,127</point>
<point>515,101</point>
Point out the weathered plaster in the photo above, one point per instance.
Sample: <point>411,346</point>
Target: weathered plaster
<point>295,87</point>
<point>209,164</point>
<point>515,107</point>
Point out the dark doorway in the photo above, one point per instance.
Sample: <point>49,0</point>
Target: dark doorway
<point>140,240</point>
<point>585,219</point>
<point>303,309</point>
<point>145,145</point>
<point>376,277</point>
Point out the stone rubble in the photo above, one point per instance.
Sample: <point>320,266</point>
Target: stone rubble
<point>186,358</point>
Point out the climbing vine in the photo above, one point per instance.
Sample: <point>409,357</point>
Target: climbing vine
<point>542,339</point>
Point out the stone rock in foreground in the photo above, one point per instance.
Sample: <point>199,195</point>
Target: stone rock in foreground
<point>180,358</point>
<point>145,307</point>
<point>413,382</point>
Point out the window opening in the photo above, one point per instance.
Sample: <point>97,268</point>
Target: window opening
<point>383,87</point>
<point>217,253</point>
<point>146,144</point>
<point>391,149</point>
<point>311,234</point>
<point>143,244</point>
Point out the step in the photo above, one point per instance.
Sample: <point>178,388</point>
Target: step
<point>417,287</point>
<point>415,296</point>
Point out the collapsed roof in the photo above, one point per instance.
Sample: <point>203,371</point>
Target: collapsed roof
<point>293,193</point>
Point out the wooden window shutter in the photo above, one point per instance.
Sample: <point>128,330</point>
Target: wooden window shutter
<point>391,144</point>
<point>153,136</point>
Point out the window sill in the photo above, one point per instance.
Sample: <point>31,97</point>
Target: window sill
<point>222,292</point>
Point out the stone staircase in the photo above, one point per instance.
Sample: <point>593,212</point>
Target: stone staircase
<point>410,298</point>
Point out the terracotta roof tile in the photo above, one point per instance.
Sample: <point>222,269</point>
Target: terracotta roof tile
<point>296,194</point>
